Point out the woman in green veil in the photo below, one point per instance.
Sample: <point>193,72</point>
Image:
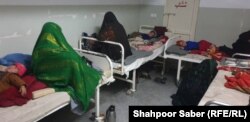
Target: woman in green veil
<point>56,63</point>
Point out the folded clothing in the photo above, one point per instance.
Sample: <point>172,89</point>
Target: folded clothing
<point>42,92</point>
<point>240,81</point>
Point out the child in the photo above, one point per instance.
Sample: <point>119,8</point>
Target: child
<point>10,76</point>
<point>214,53</point>
<point>148,36</point>
<point>200,47</point>
<point>188,45</point>
<point>163,39</point>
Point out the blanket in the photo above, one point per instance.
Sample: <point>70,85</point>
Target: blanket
<point>12,96</point>
<point>241,82</point>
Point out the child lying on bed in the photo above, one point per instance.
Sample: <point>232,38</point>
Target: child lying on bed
<point>139,44</point>
<point>12,88</point>
<point>151,34</point>
<point>10,76</point>
<point>16,89</point>
<point>154,45</point>
<point>147,38</point>
<point>202,47</point>
<point>213,52</point>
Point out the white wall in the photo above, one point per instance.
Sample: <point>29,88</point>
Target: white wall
<point>21,25</point>
<point>221,21</point>
<point>69,2</point>
<point>21,20</point>
<point>242,4</point>
<point>82,2</point>
<point>153,2</point>
<point>203,3</point>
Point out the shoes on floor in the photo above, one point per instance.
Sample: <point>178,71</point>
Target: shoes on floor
<point>160,80</point>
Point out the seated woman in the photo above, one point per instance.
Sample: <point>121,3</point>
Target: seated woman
<point>56,64</point>
<point>112,30</point>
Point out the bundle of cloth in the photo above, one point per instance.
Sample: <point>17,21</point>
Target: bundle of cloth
<point>11,59</point>
<point>240,81</point>
<point>241,45</point>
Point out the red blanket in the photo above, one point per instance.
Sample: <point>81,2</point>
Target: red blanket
<point>241,82</point>
<point>12,96</point>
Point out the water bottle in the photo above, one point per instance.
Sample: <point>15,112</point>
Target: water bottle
<point>110,114</point>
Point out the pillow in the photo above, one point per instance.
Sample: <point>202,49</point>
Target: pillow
<point>174,49</point>
<point>42,92</point>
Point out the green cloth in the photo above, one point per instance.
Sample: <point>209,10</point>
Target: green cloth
<point>56,63</point>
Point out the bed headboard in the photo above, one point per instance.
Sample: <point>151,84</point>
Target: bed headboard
<point>146,28</point>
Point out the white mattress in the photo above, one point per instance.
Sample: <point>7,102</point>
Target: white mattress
<point>195,58</point>
<point>218,92</point>
<point>34,109</point>
<point>138,62</point>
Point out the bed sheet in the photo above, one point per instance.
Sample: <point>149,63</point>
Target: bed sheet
<point>35,109</point>
<point>218,92</point>
<point>139,61</point>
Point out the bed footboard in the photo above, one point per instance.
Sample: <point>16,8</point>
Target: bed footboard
<point>171,41</point>
<point>118,67</point>
<point>100,62</point>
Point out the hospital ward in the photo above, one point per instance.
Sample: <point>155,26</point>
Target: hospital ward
<point>124,60</point>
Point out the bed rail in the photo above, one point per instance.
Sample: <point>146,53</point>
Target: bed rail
<point>171,41</point>
<point>215,103</point>
<point>99,61</point>
<point>102,62</point>
<point>119,67</point>
<point>241,54</point>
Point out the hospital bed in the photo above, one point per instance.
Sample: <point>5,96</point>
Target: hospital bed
<point>121,68</point>
<point>35,110</point>
<point>217,94</point>
<point>103,63</point>
<point>192,58</point>
<point>174,37</point>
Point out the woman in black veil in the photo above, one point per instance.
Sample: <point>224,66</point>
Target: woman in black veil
<point>112,30</point>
